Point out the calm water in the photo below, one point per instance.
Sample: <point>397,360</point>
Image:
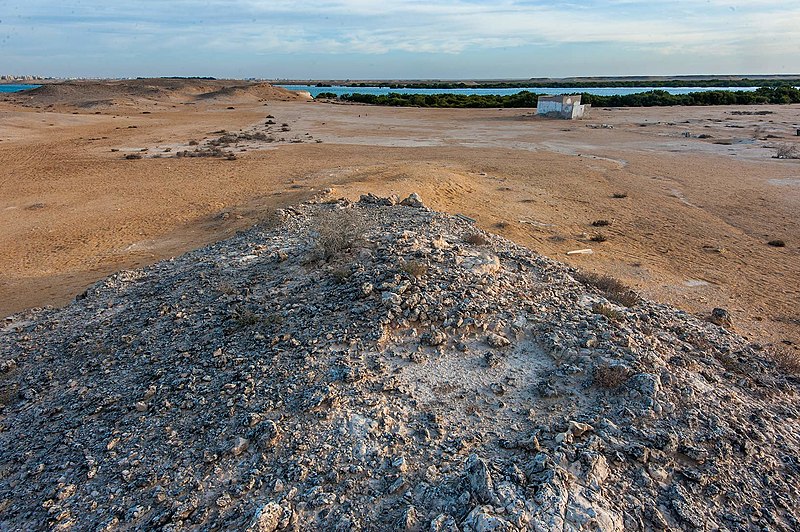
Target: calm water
<point>16,88</point>
<point>610,91</point>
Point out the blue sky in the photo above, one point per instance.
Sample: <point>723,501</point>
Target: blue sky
<point>398,39</point>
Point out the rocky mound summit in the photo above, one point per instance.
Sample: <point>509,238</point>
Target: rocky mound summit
<point>379,366</point>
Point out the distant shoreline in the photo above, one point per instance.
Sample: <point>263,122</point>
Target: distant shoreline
<point>728,80</point>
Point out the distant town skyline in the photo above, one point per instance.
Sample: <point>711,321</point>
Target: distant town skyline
<point>359,39</point>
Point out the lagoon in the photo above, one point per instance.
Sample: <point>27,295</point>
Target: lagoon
<point>16,88</point>
<point>601,91</point>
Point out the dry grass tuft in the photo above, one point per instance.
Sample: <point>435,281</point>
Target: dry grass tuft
<point>244,316</point>
<point>607,311</point>
<point>338,232</point>
<point>787,360</point>
<point>342,274</point>
<point>611,376</point>
<point>227,288</point>
<point>476,239</point>
<point>612,288</point>
<point>787,151</point>
<point>414,268</point>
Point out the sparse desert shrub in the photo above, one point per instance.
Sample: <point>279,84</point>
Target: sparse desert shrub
<point>600,223</point>
<point>414,268</point>
<point>787,151</point>
<point>607,311</point>
<point>619,195</point>
<point>342,274</point>
<point>777,243</point>
<point>226,288</point>
<point>612,288</point>
<point>598,237</point>
<point>339,231</point>
<point>9,394</point>
<point>611,375</point>
<point>788,361</point>
<point>244,316</point>
<point>476,239</point>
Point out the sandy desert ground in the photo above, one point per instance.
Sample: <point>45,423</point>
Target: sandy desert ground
<point>691,231</point>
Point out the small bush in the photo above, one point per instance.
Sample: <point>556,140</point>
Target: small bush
<point>613,289</point>
<point>226,288</point>
<point>414,268</point>
<point>476,239</point>
<point>611,376</point>
<point>607,311</point>
<point>598,237</point>
<point>787,151</point>
<point>342,274</point>
<point>339,231</point>
<point>600,223</point>
<point>788,361</point>
<point>244,316</point>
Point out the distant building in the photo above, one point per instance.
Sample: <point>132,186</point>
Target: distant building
<point>567,107</point>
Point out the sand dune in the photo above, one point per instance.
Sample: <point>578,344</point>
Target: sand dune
<point>99,94</point>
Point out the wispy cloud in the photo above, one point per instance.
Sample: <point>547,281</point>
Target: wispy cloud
<point>237,29</point>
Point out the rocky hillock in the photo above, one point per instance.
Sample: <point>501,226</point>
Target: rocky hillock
<point>378,366</point>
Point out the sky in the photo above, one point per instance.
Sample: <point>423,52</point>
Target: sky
<point>391,39</point>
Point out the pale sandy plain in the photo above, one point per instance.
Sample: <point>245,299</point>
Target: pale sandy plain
<point>692,231</point>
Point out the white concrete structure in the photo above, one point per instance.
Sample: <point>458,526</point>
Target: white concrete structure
<point>566,106</point>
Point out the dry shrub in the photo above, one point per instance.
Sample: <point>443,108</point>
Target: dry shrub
<point>414,268</point>
<point>611,376</point>
<point>598,237</point>
<point>607,311</point>
<point>339,231</point>
<point>788,361</point>
<point>342,274</point>
<point>9,394</point>
<point>787,151</point>
<point>226,288</point>
<point>244,316</point>
<point>600,223</point>
<point>612,288</point>
<point>476,239</point>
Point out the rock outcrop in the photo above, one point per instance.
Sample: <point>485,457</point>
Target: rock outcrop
<point>405,380</point>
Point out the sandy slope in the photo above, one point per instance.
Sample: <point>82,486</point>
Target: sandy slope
<point>692,230</point>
